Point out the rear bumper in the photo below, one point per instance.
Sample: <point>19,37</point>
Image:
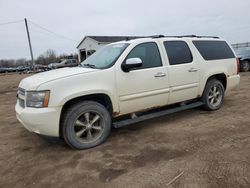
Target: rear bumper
<point>44,121</point>
<point>233,82</point>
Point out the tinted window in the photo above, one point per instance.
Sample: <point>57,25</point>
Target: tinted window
<point>178,52</point>
<point>148,53</point>
<point>212,50</point>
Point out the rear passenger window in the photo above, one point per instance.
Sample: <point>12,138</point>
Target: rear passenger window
<point>214,50</point>
<point>148,53</point>
<point>178,52</point>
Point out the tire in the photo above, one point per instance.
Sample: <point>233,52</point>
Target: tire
<point>86,125</point>
<point>213,95</point>
<point>244,66</point>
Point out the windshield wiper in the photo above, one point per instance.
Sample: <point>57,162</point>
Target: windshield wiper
<point>89,65</point>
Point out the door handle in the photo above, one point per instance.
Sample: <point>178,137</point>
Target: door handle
<point>193,70</point>
<point>159,74</point>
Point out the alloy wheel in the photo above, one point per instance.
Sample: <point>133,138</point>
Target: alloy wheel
<point>88,127</point>
<point>215,96</point>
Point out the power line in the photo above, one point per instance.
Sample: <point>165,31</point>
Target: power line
<point>36,30</point>
<point>6,23</point>
<point>40,27</point>
<point>40,31</point>
<point>45,29</point>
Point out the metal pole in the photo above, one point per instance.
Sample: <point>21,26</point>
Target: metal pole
<point>31,53</point>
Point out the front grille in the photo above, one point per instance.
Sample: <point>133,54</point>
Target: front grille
<point>21,102</point>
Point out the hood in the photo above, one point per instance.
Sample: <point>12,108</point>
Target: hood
<point>32,82</point>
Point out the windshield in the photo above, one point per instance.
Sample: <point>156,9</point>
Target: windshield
<point>105,57</point>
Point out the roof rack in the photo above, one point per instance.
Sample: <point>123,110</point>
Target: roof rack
<point>157,36</point>
<point>202,36</point>
<point>184,36</point>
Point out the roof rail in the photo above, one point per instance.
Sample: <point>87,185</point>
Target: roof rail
<point>184,36</point>
<point>157,36</point>
<point>214,37</point>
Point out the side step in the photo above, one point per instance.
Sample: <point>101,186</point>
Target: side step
<point>123,123</point>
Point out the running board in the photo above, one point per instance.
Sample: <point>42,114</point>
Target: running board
<point>123,123</point>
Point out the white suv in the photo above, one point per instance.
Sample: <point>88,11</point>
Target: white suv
<point>126,78</point>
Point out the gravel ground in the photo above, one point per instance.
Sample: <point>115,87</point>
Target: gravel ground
<point>199,148</point>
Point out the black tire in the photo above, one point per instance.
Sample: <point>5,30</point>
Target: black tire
<point>213,100</point>
<point>76,126</point>
<point>244,66</point>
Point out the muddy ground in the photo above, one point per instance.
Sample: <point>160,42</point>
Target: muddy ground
<point>207,149</point>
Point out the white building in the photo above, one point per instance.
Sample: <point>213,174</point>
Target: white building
<point>90,44</point>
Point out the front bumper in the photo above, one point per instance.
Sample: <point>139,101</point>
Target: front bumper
<point>44,121</point>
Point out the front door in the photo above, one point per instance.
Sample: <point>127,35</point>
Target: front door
<point>144,87</point>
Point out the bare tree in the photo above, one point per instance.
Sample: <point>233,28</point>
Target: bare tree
<point>21,61</point>
<point>49,56</point>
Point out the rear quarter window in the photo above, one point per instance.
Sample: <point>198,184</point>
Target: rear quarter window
<point>214,50</point>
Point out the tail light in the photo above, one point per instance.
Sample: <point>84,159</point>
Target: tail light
<point>238,65</point>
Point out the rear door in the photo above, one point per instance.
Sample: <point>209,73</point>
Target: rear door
<point>183,71</point>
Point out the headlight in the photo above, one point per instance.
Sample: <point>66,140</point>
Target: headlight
<point>37,99</point>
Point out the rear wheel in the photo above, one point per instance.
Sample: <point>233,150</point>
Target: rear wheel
<point>213,95</point>
<point>86,124</point>
<point>244,66</point>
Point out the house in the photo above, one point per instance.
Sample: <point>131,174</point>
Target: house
<point>90,44</point>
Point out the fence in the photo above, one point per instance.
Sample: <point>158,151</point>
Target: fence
<point>241,45</point>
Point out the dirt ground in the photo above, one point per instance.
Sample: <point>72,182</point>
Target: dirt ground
<point>207,149</point>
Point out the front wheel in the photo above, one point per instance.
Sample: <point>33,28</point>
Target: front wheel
<point>86,124</point>
<point>213,95</point>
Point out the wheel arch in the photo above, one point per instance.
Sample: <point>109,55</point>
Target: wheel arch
<point>101,98</point>
<point>219,76</point>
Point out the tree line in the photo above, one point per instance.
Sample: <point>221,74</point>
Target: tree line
<point>44,59</point>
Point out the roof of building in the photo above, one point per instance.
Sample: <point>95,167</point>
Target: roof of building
<point>108,39</point>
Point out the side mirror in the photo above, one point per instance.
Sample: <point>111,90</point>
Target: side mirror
<point>131,63</point>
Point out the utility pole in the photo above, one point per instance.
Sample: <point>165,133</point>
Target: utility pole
<point>31,53</point>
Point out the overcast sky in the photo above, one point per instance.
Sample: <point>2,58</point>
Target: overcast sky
<point>229,19</point>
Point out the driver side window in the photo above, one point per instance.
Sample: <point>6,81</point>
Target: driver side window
<point>148,53</point>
